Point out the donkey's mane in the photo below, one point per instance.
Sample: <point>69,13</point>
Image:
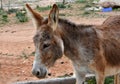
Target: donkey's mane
<point>73,25</point>
<point>75,31</point>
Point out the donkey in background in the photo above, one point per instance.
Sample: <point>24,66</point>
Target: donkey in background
<point>92,49</point>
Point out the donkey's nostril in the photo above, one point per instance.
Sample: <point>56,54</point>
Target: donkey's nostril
<point>37,73</point>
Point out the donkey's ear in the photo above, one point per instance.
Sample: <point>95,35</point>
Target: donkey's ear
<point>36,17</point>
<point>53,17</point>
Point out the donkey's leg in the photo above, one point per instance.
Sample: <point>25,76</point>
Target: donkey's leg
<point>80,77</point>
<point>100,78</point>
<point>80,72</point>
<point>116,79</point>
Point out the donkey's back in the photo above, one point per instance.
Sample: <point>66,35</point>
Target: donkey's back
<point>111,27</point>
<point>109,33</point>
<point>107,60</point>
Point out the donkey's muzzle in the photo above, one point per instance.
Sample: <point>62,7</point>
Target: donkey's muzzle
<point>40,72</point>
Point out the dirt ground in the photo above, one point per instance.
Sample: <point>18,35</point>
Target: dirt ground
<point>16,52</point>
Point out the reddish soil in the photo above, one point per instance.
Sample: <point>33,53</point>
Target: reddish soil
<point>16,46</point>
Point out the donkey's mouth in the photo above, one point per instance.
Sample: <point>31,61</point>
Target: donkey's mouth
<point>41,77</point>
<point>40,73</point>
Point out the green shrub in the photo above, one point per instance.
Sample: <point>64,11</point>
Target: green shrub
<point>61,5</point>
<point>68,6</point>
<point>2,12</point>
<point>108,80</point>
<point>80,1</point>
<point>5,18</point>
<point>86,12</point>
<point>43,8</point>
<point>21,16</point>
<point>12,11</point>
<point>62,14</point>
<point>91,80</point>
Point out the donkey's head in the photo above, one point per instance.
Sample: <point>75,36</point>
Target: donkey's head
<point>48,45</point>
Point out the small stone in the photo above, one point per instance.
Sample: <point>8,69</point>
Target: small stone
<point>18,80</point>
<point>25,78</point>
<point>7,31</point>
<point>28,47</point>
<point>18,74</point>
<point>23,71</point>
<point>0,52</point>
<point>71,73</point>
<point>13,31</point>
<point>49,74</point>
<point>62,62</point>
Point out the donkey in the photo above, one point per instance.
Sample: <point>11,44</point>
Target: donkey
<point>91,48</point>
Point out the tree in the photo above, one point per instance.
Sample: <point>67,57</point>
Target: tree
<point>9,4</point>
<point>63,1</point>
<point>1,4</point>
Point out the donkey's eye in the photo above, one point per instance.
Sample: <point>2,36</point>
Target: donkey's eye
<point>46,46</point>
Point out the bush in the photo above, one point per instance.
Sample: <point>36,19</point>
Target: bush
<point>5,18</point>
<point>43,8</point>
<point>2,12</point>
<point>21,16</point>
<point>108,80</point>
<point>80,1</point>
<point>91,80</point>
<point>61,5</point>
<point>12,11</point>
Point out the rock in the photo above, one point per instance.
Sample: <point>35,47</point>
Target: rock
<point>107,4</point>
<point>93,9</point>
<point>13,31</point>
<point>49,74</point>
<point>71,73</point>
<point>62,62</point>
<point>25,78</point>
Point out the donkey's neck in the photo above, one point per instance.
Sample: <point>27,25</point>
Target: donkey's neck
<point>73,36</point>
<point>73,31</point>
